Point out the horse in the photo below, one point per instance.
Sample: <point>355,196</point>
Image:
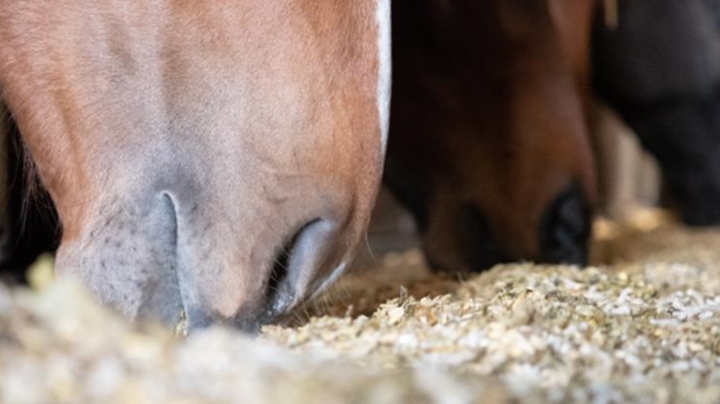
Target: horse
<point>659,68</point>
<point>217,158</point>
<point>489,136</point>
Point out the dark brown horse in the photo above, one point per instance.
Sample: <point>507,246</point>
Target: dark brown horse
<point>489,141</point>
<point>660,69</point>
<point>217,157</point>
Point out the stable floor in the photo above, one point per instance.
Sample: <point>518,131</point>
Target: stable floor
<point>643,327</point>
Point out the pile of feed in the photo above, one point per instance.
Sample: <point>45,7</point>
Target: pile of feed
<point>645,328</point>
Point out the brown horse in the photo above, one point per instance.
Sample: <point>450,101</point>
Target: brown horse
<point>217,157</point>
<point>489,142</point>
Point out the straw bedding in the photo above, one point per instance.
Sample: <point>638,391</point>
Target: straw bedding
<point>644,328</point>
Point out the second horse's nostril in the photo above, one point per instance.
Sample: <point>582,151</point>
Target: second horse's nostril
<point>565,228</point>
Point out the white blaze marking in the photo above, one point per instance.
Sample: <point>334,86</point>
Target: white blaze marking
<point>384,69</point>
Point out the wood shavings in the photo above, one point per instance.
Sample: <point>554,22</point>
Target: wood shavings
<point>41,274</point>
<point>644,327</point>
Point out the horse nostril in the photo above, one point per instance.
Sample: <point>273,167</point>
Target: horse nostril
<point>565,228</point>
<point>285,273</point>
<point>280,269</point>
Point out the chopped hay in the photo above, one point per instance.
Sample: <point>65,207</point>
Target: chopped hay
<point>644,328</point>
